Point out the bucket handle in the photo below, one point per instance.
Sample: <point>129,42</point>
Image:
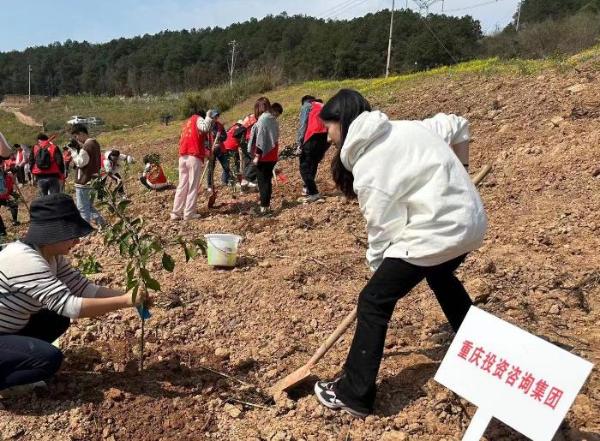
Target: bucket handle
<point>223,251</point>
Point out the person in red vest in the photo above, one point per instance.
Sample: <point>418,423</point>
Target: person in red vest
<point>67,159</point>
<point>7,198</point>
<point>264,148</point>
<point>47,166</point>
<point>153,177</point>
<point>312,141</point>
<point>249,175</point>
<point>192,152</point>
<point>216,136</point>
<point>235,135</point>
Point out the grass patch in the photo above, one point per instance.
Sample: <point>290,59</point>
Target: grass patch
<point>16,132</point>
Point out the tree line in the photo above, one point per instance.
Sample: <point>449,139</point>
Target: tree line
<point>295,47</point>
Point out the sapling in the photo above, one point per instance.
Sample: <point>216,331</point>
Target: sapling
<point>138,246</point>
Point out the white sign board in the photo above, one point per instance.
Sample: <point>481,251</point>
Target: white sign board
<point>509,374</point>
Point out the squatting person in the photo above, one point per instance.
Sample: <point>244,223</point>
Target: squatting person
<point>423,216</point>
<point>40,294</point>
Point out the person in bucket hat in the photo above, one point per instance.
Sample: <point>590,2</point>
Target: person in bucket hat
<point>40,292</point>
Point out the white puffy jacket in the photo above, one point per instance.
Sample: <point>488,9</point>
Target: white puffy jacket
<point>109,167</point>
<point>419,202</point>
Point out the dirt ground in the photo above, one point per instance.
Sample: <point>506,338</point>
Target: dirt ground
<point>300,272</point>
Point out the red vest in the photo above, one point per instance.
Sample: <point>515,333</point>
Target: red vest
<point>54,169</point>
<point>191,142</point>
<point>315,123</point>
<point>232,143</point>
<point>156,175</point>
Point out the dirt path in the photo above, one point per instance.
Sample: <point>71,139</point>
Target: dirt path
<point>21,117</point>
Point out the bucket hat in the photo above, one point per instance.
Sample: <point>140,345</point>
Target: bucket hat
<point>55,218</point>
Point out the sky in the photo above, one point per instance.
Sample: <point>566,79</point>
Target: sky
<point>40,22</point>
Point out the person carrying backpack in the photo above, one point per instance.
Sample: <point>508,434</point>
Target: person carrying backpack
<point>7,199</point>
<point>47,165</point>
<point>312,142</point>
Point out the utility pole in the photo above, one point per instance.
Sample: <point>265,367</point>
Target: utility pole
<point>29,75</point>
<point>233,45</point>
<point>389,57</point>
<point>519,15</point>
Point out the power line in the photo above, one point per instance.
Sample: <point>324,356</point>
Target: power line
<point>477,5</point>
<point>353,4</point>
<point>424,20</point>
<point>335,7</point>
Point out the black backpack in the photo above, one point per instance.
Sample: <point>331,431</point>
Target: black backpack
<point>43,158</point>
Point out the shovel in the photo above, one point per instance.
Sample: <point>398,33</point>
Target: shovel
<point>301,374</point>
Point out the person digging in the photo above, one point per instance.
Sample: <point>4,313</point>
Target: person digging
<point>40,292</point>
<point>423,214</point>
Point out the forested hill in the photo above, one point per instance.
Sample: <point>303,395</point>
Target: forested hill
<point>298,47</point>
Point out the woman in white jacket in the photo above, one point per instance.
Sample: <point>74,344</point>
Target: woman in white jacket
<point>423,216</point>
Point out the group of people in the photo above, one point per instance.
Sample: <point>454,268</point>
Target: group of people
<point>423,217</point>
<point>248,152</point>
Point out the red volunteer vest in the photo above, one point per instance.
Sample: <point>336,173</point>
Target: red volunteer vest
<point>156,175</point>
<point>315,124</point>
<point>54,169</point>
<point>191,142</point>
<point>231,143</point>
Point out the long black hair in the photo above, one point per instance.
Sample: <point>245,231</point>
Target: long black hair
<point>344,107</point>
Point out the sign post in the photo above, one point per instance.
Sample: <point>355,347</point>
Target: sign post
<point>509,374</point>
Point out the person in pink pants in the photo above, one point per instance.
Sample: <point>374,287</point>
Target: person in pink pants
<point>192,152</point>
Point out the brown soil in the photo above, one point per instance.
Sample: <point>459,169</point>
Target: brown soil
<point>21,117</point>
<point>301,272</point>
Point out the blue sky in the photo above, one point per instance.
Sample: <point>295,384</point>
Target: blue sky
<point>40,22</point>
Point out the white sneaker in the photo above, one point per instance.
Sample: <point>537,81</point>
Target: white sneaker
<point>193,216</point>
<point>175,217</point>
<point>313,198</point>
<point>252,185</point>
<point>304,191</point>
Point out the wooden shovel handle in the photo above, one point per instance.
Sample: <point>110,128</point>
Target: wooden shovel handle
<point>482,174</point>
<point>339,331</point>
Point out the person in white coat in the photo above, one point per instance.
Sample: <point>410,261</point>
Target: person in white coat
<point>111,166</point>
<point>423,216</point>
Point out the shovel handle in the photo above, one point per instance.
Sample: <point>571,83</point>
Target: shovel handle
<point>482,174</point>
<point>335,336</point>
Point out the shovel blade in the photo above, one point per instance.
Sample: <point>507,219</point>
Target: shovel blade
<point>293,379</point>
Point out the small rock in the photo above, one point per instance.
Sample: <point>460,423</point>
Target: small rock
<point>232,410</point>
<point>596,172</point>
<point>576,88</point>
<point>113,394</point>
<point>554,309</point>
<point>222,353</point>
<point>557,120</point>
<point>394,435</point>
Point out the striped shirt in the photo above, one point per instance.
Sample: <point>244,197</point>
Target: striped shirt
<point>29,283</point>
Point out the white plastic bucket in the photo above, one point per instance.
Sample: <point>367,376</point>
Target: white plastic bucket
<point>222,249</point>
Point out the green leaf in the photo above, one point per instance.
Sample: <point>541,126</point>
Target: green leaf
<point>132,284</point>
<point>123,204</point>
<point>156,246</point>
<point>149,281</point>
<point>167,262</point>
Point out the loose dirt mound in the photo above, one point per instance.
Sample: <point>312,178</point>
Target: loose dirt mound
<point>301,272</point>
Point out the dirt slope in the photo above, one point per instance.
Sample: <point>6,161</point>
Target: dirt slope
<point>302,270</point>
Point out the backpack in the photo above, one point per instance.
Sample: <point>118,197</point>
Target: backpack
<point>43,158</point>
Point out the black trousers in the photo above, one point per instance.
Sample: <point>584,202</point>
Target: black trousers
<point>28,356</point>
<point>20,172</point>
<point>14,212</point>
<point>312,154</point>
<point>249,167</point>
<point>393,280</point>
<point>264,175</point>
